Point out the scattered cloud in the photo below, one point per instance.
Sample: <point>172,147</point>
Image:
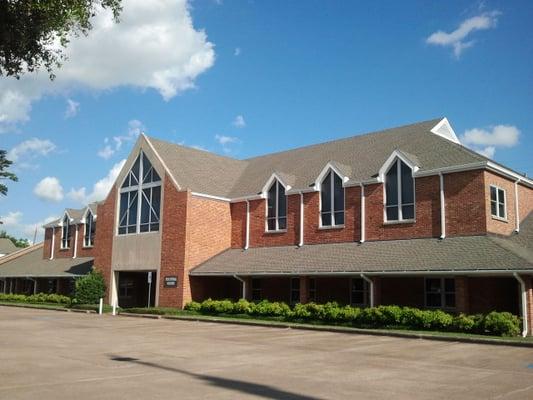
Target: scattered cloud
<point>24,153</point>
<point>226,142</point>
<point>135,128</point>
<point>49,189</point>
<point>100,189</point>
<point>486,141</point>
<point>457,39</point>
<point>239,122</point>
<point>155,46</point>
<point>237,51</point>
<point>14,225</point>
<point>72,108</point>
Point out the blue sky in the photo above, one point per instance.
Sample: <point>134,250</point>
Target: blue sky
<point>244,78</point>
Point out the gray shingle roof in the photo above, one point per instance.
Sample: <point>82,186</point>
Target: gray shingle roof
<point>360,157</point>
<point>31,264</point>
<point>7,246</point>
<point>75,213</point>
<point>451,254</point>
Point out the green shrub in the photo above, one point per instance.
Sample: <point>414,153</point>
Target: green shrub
<point>35,298</point>
<point>274,309</point>
<point>463,323</point>
<point>90,288</point>
<point>501,324</point>
<point>193,306</point>
<point>242,307</point>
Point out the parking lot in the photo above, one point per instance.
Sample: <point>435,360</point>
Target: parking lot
<point>57,355</point>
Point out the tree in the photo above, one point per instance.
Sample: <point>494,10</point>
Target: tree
<point>34,33</point>
<point>17,242</point>
<point>90,288</point>
<point>4,173</point>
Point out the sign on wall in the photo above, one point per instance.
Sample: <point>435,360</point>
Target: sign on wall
<point>171,281</point>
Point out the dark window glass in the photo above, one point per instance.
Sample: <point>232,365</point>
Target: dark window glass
<point>156,200</point>
<point>282,222</point>
<point>449,285</point>
<point>450,300</point>
<point>433,285</point>
<point>295,290</point>
<point>338,193</point>
<point>392,213</point>
<point>391,185</point>
<point>326,219</point>
<point>493,193</point>
<point>494,208</point>
<point>282,201</point>
<point>408,212</point>
<point>407,186</point>
<point>271,211</point>
<point>339,218</point>
<point>256,289</point>
<point>433,300</point>
<point>326,193</point>
<point>271,224</point>
<point>132,217</point>
<point>145,206</point>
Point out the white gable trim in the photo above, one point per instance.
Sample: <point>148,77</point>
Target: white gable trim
<point>445,130</point>
<point>392,158</point>
<point>167,170</point>
<point>270,181</point>
<point>329,166</point>
<point>70,219</point>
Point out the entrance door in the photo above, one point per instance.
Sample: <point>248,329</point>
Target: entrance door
<point>134,289</point>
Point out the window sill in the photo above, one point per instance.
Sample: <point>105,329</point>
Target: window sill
<point>405,221</point>
<point>326,228</point>
<point>88,247</point>
<point>64,248</point>
<point>495,217</point>
<point>274,232</point>
<point>135,233</point>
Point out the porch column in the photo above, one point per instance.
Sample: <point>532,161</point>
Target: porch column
<point>377,290</point>
<point>529,301</point>
<point>304,289</point>
<point>461,294</point>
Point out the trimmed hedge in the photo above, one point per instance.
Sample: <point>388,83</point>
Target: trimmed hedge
<point>90,288</point>
<point>35,298</point>
<point>494,323</point>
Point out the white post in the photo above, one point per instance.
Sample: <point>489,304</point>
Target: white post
<point>523,304</point>
<point>75,241</point>
<point>442,208</point>
<point>243,286</point>
<point>516,208</point>
<point>363,238</point>
<point>247,238</point>
<point>53,242</point>
<point>101,306</point>
<point>115,307</point>
<point>301,243</point>
<point>371,285</point>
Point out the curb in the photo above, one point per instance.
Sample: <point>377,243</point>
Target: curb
<point>336,329</point>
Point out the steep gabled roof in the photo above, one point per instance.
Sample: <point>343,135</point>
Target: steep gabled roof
<point>7,246</point>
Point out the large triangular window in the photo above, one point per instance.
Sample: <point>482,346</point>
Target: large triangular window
<point>140,198</point>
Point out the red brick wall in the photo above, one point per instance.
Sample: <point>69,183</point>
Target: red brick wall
<point>214,287</point>
<point>260,238</point>
<point>495,225</point>
<point>333,289</point>
<point>238,224</point>
<point>525,201</point>
<point>64,253</point>
<point>407,291</point>
<point>173,244</point>
<point>493,294</point>
<point>83,251</point>
<point>104,238</point>
<point>529,299</point>
<point>465,203</point>
<point>47,246</point>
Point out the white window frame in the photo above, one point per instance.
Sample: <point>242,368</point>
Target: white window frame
<point>139,189</point>
<point>85,236</point>
<point>365,291</point>
<point>65,233</point>
<point>276,217</point>
<point>398,162</point>
<point>498,202</point>
<point>442,293</point>
<point>332,174</point>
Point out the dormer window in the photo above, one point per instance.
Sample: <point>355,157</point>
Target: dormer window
<point>276,207</point>
<point>140,198</point>
<point>331,200</point>
<point>90,230</point>
<point>399,192</point>
<point>65,233</point>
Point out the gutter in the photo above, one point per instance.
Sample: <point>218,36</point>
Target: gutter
<point>442,207</point>
<point>53,243</point>
<point>523,297</point>
<point>363,216</point>
<point>516,208</point>
<point>301,242</point>
<point>243,286</point>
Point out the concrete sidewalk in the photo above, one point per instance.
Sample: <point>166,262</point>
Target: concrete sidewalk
<point>51,355</point>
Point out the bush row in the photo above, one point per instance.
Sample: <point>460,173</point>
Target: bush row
<point>494,323</point>
<point>36,298</point>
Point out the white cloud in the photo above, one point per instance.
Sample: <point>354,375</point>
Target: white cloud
<point>239,122</point>
<point>13,224</point>
<point>12,218</point>
<point>29,149</point>
<point>224,140</point>
<point>135,128</point>
<point>237,51</point>
<point>486,141</point>
<point>100,189</point>
<point>457,38</point>
<point>72,108</point>
<point>155,46</point>
<point>49,189</point>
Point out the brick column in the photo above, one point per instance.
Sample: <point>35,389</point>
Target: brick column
<point>529,297</point>
<point>304,289</point>
<point>461,294</point>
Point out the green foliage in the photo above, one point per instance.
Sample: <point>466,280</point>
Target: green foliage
<point>495,323</point>
<point>35,298</point>
<point>4,162</point>
<point>90,288</point>
<point>30,31</point>
<point>17,242</point>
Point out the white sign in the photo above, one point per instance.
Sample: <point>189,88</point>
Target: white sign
<point>149,277</point>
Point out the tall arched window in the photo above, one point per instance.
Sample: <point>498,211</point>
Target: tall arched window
<point>331,200</point>
<point>90,230</point>
<point>276,207</point>
<point>140,198</point>
<point>399,192</point>
<point>65,233</point>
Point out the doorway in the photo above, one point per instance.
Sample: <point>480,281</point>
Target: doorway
<point>136,288</point>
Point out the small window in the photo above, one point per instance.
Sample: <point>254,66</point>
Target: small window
<point>332,200</point>
<point>360,295</point>
<point>90,230</point>
<point>440,292</point>
<point>276,208</point>
<point>295,290</point>
<point>497,202</point>
<point>312,290</point>
<point>65,233</point>
<point>256,289</point>
<point>399,192</point>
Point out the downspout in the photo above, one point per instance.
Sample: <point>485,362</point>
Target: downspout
<point>75,242</point>
<point>247,236</point>
<point>371,285</point>
<point>523,303</point>
<point>243,286</point>
<point>301,242</point>
<point>53,242</point>
<point>442,208</point>
<point>363,229</point>
<point>516,208</point>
